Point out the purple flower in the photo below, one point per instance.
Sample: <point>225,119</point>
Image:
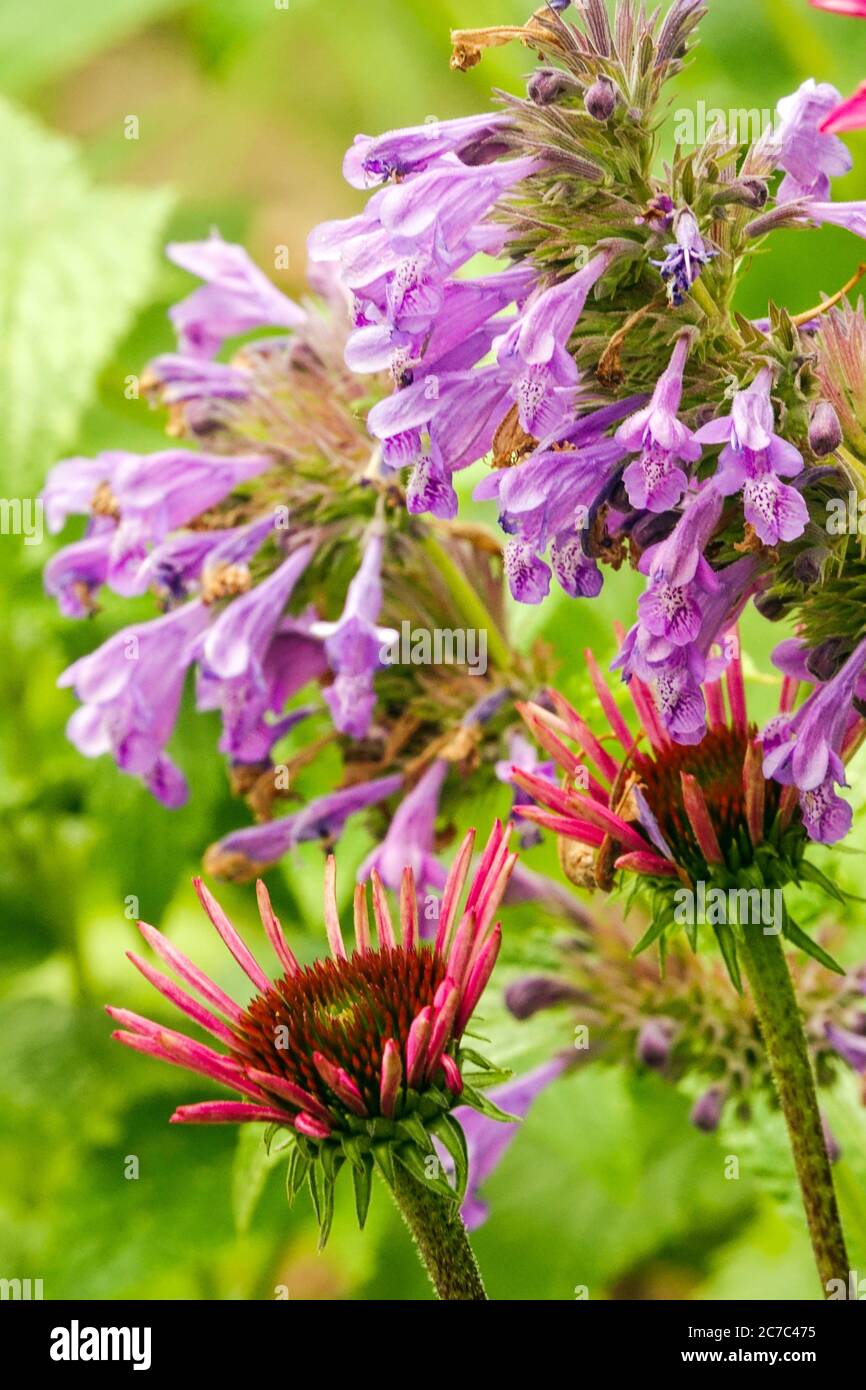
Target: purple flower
<point>74,574</point>
<point>235,645</point>
<point>430,489</point>
<point>805,749</point>
<point>130,690</point>
<point>290,661</point>
<point>236,297</point>
<point>409,841</point>
<point>180,378</point>
<point>850,1046</point>
<point>754,460</point>
<point>534,351</point>
<point>681,580</point>
<point>398,153</point>
<point>354,644</point>
<point>72,484</point>
<point>686,257</point>
<point>653,1046</point>
<point>487,1140</point>
<point>259,845</point>
<point>157,493</point>
<point>808,157</point>
<point>654,480</point>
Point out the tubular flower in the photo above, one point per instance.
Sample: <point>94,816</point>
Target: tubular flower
<point>684,1022</point>
<point>357,1058</point>
<point>686,819</point>
<point>290,578</point>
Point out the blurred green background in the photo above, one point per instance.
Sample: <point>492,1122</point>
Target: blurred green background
<point>239,112</point>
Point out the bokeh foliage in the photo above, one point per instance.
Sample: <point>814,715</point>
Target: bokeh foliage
<point>243,110</point>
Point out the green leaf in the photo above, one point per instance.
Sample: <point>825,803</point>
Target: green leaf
<point>728,947</point>
<point>484,1105</point>
<point>451,1134</point>
<point>425,1173</point>
<point>814,875</point>
<point>362,1179</point>
<point>76,262</point>
<point>798,937</point>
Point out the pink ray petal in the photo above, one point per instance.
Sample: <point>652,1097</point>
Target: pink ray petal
<point>409,909</point>
<point>340,1083</point>
<point>392,1076</point>
<point>452,891</point>
<point>416,1046</point>
<point>241,953</point>
<point>478,977</point>
<point>362,921</point>
<point>295,1095</point>
<point>384,927</point>
<point>184,967</point>
<point>332,916</point>
<point>226,1112</point>
<point>274,932</point>
<point>183,1001</point>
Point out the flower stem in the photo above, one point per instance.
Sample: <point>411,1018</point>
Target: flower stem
<point>437,1229</point>
<point>469,602</point>
<point>782,1031</point>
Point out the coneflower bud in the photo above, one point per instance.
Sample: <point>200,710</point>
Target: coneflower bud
<point>600,100</point>
<point>547,85</point>
<point>707,1110</point>
<point>825,432</point>
<point>654,1041</point>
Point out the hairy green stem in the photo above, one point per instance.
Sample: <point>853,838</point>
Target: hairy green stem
<point>782,1031</point>
<point>471,606</point>
<point>437,1229</point>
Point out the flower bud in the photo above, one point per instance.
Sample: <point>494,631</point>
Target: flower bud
<point>809,563</point>
<point>771,607</point>
<point>825,432</point>
<point>533,993</point>
<point>824,661</point>
<point>707,1110</point>
<point>600,100</point>
<point>654,1043</point>
<point>547,85</point>
<point>748,192</point>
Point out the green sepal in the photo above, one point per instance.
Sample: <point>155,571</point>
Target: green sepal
<point>356,1150</point>
<point>482,1079</point>
<point>451,1134</point>
<point>322,1192</point>
<point>728,947</point>
<point>297,1171</point>
<point>416,1163</point>
<point>411,1127</point>
<point>653,932</point>
<point>798,937</point>
<point>362,1180</point>
<point>484,1105</point>
<point>813,875</point>
<point>383,1157</point>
